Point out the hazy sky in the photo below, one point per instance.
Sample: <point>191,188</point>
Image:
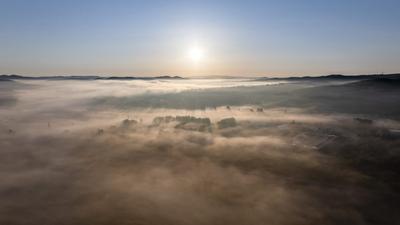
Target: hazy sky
<point>263,38</point>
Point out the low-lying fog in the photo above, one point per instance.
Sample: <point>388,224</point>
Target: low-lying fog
<point>206,151</point>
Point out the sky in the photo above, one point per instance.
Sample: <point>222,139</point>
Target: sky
<point>199,38</point>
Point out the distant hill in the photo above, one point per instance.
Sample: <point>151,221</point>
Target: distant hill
<point>19,77</point>
<point>4,79</point>
<point>140,78</point>
<point>335,77</point>
<point>386,83</point>
<point>376,96</point>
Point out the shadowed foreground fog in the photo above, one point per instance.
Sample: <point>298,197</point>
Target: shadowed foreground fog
<point>68,157</point>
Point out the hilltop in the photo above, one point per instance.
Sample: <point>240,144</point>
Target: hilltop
<point>20,77</point>
<point>335,77</point>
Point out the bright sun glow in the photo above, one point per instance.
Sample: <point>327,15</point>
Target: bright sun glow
<point>196,54</point>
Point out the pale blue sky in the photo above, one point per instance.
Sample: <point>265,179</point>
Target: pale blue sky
<point>254,38</point>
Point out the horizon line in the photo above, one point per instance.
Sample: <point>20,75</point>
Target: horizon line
<point>196,76</point>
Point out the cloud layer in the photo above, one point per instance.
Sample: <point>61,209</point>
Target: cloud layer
<point>66,163</point>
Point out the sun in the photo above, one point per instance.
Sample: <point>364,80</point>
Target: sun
<point>196,54</point>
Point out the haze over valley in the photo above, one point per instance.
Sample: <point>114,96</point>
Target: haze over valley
<point>199,151</point>
<point>199,112</point>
